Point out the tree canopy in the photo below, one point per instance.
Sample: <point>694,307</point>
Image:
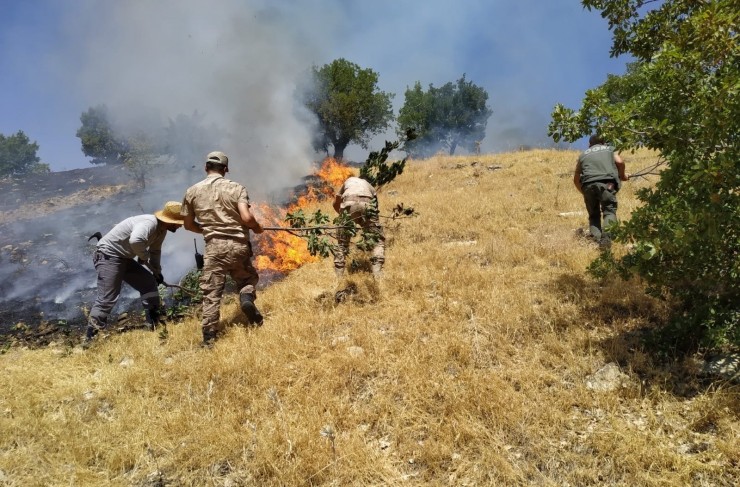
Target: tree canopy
<point>18,155</point>
<point>348,105</point>
<point>454,115</point>
<point>98,137</point>
<point>680,98</point>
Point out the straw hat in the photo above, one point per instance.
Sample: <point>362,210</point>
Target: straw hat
<point>170,213</point>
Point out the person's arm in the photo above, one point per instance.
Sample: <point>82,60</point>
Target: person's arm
<point>337,203</point>
<point>190,224</point>
<point>621,168</point>
<point>248,219</point>
<point>139,239</point>
<point>577,177</point>
<point>188,215</point>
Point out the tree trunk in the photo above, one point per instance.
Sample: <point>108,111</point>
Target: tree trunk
<point>339,150</point>
<point>453,146</point>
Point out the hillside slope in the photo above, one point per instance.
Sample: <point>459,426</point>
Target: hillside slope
<point>486,356</point>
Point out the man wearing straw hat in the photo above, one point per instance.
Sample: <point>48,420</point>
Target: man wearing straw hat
<point>123,255</point>
<point>219,209</point>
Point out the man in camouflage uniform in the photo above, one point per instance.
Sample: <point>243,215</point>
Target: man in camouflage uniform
<point>359,200</point>
<point>138,237</point>
<point>219,209</point>
<point>598,177</point>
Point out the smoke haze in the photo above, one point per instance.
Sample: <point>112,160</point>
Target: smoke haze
<point>237,62</point>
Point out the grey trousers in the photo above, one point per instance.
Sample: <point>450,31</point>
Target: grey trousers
<point>112,273</point>
<point>601,202</point>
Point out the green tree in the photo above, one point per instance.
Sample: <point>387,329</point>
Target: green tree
<point>680,98</point>
<point>348,105</point>
<point>18,155</point>
<point>139,158</point>
<point>99,139</point>
<point>454,115</point>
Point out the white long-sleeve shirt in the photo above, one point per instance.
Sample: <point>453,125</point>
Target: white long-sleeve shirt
<point>138,236</point>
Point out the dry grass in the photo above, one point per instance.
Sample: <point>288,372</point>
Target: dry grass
<point>467,365</point>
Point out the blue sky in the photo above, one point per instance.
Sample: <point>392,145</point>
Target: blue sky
<point>237,60</point>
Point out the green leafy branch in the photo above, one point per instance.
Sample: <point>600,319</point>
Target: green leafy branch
<point>377,171</point>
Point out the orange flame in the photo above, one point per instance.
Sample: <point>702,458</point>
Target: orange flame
<point>333,173</point>
<point>282,251</point>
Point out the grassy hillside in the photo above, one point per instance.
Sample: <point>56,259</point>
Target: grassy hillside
<point>478,360</point>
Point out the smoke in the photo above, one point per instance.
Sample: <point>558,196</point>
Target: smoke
<point>236,63</point>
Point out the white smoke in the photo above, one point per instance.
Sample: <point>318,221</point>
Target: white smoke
<point>235,62</point>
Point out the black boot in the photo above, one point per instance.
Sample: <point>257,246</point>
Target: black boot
<point>209,337</point>
<point>93,327</point>
<point>250,310</point>
<point>153,318</point>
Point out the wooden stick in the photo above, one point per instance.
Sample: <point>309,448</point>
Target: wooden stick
<point>183,289</point>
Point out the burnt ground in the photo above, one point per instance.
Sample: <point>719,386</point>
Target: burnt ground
<point>47,280</point>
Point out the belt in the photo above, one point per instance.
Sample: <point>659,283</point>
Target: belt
<point>350,199</point>
<point>225,237</point>
<point>602,181</point>
<point>100,254</point>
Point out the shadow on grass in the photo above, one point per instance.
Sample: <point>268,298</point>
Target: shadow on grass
<point>636,332</point>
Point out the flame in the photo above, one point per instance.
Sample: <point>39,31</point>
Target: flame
<point>333,173</point>
<point>282,251</point>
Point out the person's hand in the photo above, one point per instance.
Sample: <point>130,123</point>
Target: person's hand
<point>159,278</point>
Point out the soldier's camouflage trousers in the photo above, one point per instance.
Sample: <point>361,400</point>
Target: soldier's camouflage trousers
<point>357,210</point>
<point>224,256</point>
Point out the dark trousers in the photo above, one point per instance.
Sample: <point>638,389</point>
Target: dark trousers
<point>601,204</point>
<point>112,273</point>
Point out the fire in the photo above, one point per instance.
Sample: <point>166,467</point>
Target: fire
<point>282,251</point>
<point>333,173</point>
<point>279,251</point>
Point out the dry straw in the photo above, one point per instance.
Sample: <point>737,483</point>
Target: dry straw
<point>471,363</point>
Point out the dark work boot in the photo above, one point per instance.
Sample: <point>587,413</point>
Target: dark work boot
<point>153,318</point>
<point>250,310</point>
<point>93,327</point>
<point>209,337</point>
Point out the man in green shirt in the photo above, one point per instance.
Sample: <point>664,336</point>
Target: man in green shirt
<point>598,177</point>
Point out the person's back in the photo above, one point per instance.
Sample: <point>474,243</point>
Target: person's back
<point>597,164</point>
<point>131,237</point>
<point>356,187</point>
<point>215,202</point>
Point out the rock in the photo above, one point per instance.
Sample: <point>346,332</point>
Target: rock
<point>725,366</point>
<point>339,339</point>
<point>356,351</point>
<point>607,378</point>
